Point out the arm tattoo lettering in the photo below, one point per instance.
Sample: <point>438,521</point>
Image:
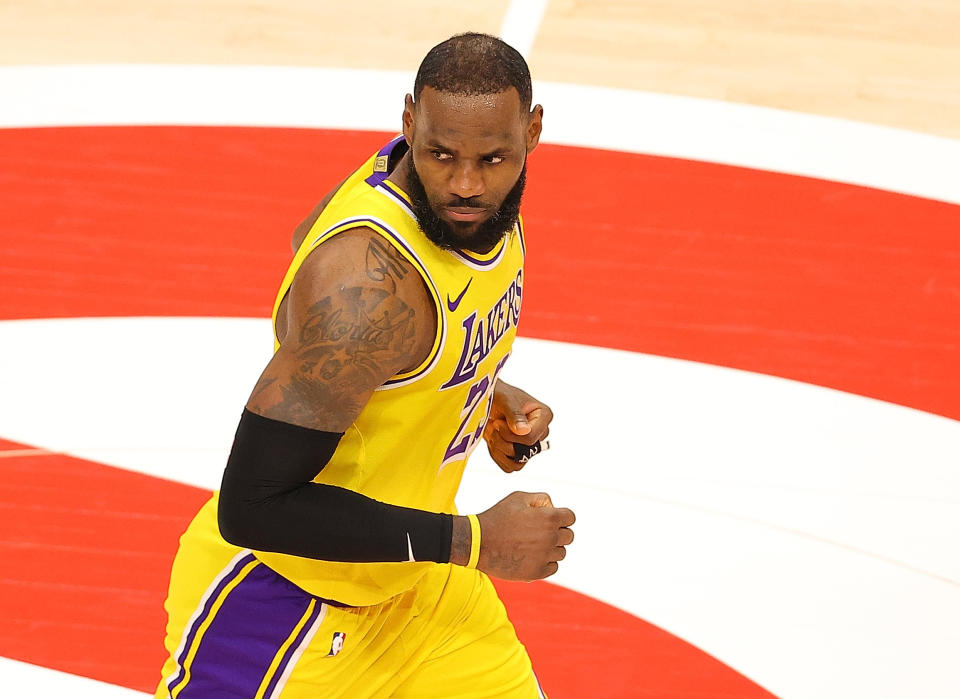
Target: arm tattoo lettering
<point>367,329</point>
<point>349,343</point>
<point>384,262</point>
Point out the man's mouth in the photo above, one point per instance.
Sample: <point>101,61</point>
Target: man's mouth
<point>466,214</point>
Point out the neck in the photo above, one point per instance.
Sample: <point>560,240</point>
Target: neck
<point>400,175</point>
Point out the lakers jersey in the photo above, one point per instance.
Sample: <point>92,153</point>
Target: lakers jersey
<point>410,443</point>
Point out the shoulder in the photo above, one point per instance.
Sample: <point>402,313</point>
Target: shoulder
<point>359,276</point>
<point>357,315</point>
<point>359,257</point>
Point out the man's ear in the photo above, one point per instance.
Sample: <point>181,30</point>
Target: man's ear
<point>534,127</point>
<point>408,119</point>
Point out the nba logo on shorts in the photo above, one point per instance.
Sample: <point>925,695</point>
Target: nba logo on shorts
<point>337,644</point>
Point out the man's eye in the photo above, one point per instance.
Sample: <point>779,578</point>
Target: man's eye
<point>440,155</point>
<point>494,159</point>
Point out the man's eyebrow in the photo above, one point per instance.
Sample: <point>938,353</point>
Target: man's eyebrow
<point>502,150</point>
<point>499,150</point>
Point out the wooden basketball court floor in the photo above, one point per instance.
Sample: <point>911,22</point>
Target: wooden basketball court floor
<point>743,303</point>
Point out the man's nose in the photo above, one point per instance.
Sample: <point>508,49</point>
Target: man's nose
<point>467,181</point>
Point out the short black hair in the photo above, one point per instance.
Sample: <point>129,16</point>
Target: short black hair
<point>474,64</point>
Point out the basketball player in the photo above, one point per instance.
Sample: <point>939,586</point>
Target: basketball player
<point>331,562</point>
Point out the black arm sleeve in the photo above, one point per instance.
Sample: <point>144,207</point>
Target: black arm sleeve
<point>268,503</point>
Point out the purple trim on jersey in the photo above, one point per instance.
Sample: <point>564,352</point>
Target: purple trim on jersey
<point>227,579</point>
<point>492,262</point>
<point>254,621</point>
<point>378,224</point>
<point>523,243</point>
<point>403,202</point>
<point>378,177</point>
<point>292,649</point>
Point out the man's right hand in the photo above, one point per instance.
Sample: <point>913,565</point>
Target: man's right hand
<point>523,537</point>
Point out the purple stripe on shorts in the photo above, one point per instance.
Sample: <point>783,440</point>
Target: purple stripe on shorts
<point>254,620</point>
<point>203,615</point>
<point>278,673</point>
<point>378,177</point>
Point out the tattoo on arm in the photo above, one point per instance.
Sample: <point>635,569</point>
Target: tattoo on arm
<point>385,262</point>
<point>460,543</point>
<point>506,562</point>
<point>262,385</point>
<point>349,344</point>
<point>368,328</point>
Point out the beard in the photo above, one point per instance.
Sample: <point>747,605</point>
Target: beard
<point>458,235</point>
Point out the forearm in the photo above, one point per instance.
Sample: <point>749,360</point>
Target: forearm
<point>268,502</point>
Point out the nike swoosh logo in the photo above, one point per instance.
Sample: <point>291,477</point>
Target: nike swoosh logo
<point>452,305</point>
<point>410,549</point>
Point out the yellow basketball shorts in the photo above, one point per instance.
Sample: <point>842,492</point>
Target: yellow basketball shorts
<point>245,632</point>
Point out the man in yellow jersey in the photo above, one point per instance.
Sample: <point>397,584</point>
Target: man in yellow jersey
<point>332,561</point>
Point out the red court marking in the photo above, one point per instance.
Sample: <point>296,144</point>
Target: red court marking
<point>830,284</point>
<point>584,648</point>
<point>85,561</point>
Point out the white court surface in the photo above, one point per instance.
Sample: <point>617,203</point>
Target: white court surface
<point>806,537</point>
<point>26,680</point>
<point>640,122</point>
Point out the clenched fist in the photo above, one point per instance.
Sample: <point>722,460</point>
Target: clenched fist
<point>523,537</point>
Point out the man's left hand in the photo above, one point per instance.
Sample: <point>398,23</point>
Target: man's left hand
<point>515,417</point>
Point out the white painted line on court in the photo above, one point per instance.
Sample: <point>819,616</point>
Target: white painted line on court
<point>521,24</point>
<point>638,122</point>
<point>26,680</point>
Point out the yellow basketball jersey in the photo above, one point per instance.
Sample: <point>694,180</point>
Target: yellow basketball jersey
<point>410,443</point>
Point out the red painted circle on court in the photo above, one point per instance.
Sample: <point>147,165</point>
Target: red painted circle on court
<point>830,284</point>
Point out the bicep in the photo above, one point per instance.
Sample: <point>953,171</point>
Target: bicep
<point>350,333</point>
<point>348,344</point>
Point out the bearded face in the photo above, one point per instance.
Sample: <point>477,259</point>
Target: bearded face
<point>466,168</point>
<point>479,236</point>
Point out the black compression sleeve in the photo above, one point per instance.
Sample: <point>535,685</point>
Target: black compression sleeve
<point>268,503</point>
